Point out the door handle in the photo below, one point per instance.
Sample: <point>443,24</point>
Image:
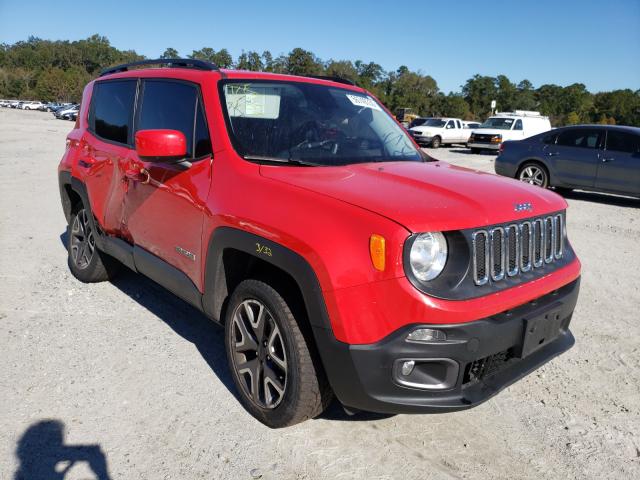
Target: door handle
<point>138,175</point>
<point>553,154</point>
<point>607,159</point>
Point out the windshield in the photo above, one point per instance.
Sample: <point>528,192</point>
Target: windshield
<point>499,123</point>
<point>434,122</point>
<point>417,122</point>
<point>312,124</point>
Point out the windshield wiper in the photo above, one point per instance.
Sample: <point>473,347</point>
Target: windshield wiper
<point>292,161</point>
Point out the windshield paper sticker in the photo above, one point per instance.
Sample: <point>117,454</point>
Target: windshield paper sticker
<point>252,101</point>
<point>367,102</point>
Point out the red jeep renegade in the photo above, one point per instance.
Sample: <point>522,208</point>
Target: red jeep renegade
<point>339,257</point>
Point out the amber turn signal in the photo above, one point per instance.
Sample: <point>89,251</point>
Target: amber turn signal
<point>377,251</point>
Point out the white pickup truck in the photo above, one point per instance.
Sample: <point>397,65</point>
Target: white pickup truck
<point>507,126</point>
<point>440,131</point>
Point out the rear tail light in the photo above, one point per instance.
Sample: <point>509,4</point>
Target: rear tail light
<point>501,149</point>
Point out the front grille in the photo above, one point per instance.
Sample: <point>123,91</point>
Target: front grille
<point>509,250</point>
<point>487,366</point>
<point>482,138</point>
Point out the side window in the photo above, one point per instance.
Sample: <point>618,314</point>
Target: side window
<point>623,142</point>
<point>172,105</point>
<point>581,138</point>
<point>450,124</point>
<point>549,139</point>
<point>518,125</point>
<point>112,110</point>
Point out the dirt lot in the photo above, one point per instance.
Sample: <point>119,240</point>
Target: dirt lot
<point>124,378</point>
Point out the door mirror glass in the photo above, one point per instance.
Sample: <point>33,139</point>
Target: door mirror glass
<point>161,145</point>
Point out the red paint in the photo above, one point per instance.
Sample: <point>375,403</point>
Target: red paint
<point>327,215</point>
<point>161,143</point>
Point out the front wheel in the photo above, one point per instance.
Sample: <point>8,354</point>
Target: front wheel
<point>436,142</point>
<point>273,367</point>
<point>534,174</point>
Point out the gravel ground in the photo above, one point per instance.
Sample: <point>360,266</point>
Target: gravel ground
<point>123,380</point>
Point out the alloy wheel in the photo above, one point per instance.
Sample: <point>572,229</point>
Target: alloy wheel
<point>83,244</point>
<point>259,356</point>
<point>533,175</point>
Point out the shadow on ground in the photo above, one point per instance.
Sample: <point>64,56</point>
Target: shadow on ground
<point>43,455</point>
<point>602,198</point>
<point>195,327</point>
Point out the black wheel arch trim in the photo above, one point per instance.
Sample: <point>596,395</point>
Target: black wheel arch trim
<point>215,287</point>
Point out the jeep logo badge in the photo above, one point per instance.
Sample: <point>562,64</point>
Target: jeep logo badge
<point>523,207</point>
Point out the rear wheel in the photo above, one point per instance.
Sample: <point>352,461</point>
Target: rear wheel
<point>86,262</point>
<point>436,142</point>
<point>272,365</point>
<point>534,174</point>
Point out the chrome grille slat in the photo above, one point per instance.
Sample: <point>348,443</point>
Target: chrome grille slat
<point>496,243</point>
<point>516,248</point>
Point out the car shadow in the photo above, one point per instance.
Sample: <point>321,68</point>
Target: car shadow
<point>602,198</point>
<point>206,336</point>
<point>467,151</point>
<point>42,453</point>
<point>182,318</point>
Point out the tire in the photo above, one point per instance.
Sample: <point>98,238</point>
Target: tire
<point>436,142</point>
<point>475,150</point>
<point>534,173</point>
<point>86,262</point>
<point>263,341</point>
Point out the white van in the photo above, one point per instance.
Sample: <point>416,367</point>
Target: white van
<point>507,126</point>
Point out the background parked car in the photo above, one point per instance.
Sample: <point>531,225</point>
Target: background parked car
<point>440,131</point>
<point>61,112</point>
<point>507,126</point>
<point>471,125</point>
<point>32,105</point>
<point>588,157</point>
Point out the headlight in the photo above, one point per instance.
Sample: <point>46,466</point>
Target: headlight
<point>428,255</point>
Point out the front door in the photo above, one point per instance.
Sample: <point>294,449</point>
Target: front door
<point>575,155</point>
<point>165,202</point>
<point>619,166</point>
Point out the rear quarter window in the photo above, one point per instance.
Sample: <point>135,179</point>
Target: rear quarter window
<point>623,142</point>
<point>111,116</point>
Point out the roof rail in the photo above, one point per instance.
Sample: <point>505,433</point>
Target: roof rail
<point>331,79</point>
<point>170,62</point>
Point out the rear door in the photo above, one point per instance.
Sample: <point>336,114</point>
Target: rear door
<point>619,166</point>
<point>164,210</point>
<point>575,155</point>
<point>106,148</point>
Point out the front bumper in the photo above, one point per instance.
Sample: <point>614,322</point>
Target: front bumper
<point>484,146</point>
<point>422,139</point>
<point>477,360</point>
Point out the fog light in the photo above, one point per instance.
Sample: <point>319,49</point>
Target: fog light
<point>426,335</point>
<point>407,367</point>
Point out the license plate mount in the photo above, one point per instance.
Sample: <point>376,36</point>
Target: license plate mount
<point>541,330</point>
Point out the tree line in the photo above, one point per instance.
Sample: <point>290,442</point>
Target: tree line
<point>58,70</point>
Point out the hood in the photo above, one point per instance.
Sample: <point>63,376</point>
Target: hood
<point>423,196</point>
<point>421,129</point>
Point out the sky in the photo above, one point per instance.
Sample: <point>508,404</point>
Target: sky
<point>595,42</point>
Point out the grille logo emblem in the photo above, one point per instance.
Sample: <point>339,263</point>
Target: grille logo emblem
<point>523,207</point>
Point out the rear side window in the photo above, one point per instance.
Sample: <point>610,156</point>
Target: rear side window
<point>518,125</point>
<point>581,138</point>
<point>112,110</point>
<point>175,106</point>
<point>623,142</point>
